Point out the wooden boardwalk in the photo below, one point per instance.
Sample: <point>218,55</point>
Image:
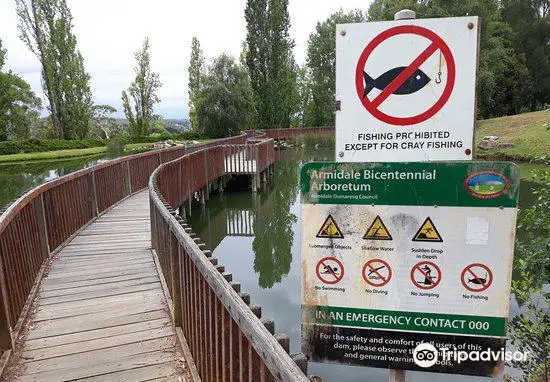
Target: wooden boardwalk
<point>101,314</point>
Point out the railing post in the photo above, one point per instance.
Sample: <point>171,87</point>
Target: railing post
<point>257,155</point>
<point>6,342</point>
<point>128,178</point>
<point>95,207</point>
<point>42,228</point>
<point>175,249</point>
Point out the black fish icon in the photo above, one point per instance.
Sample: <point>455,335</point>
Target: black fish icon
<point>414,83</point>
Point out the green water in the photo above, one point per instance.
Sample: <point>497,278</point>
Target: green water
<point>257,238</point>
<point>17,178</point>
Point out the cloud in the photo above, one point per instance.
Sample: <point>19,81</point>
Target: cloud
<point>110,32</point>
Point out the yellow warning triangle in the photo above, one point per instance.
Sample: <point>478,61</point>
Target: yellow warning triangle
<point>428,232</point>
<point>377,231</point>
<point>330,229</point>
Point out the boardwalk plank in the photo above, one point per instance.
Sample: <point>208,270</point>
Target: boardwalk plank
<point>101,314</point>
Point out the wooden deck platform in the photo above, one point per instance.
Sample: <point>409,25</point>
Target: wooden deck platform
<point>101,314</point>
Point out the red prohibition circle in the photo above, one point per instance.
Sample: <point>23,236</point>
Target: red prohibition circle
<point>337,278</point>
<point>368,266</point>
<point>417,268</point>
<point>437,44</point>
<point>484,285</point>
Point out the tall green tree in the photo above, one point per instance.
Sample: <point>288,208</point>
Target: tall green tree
<point>321,60</point>
<point>502,74</point>
<point>530,21</point>
<point>19,106</point>
<point>225,100</point>
<point>304,96</point>
<point>381,10</point>
<point>196,72</point>
<point>46,28</point>
<point>142,93</point>
<point>269,60</point>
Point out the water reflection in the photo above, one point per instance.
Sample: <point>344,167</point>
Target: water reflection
<point>17,178</point>
<point>274,235</point>
<point>258,240</point>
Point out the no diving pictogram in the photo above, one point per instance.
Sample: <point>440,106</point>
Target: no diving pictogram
<point>426,275</point>
<point>404,80</point>
<point>476,277</point>
<point>330,270</point>
<point>377,273</point>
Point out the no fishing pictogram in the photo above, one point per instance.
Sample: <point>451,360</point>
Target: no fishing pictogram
<point>330,270</point>
<point>426,275</point>
<point>476,277</point>
<point>404,80</point>
<point>377,273</point>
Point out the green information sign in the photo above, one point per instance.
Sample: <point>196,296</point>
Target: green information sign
<point>398,254</point>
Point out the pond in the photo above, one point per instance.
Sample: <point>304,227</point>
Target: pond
<point>257,238</point>
<point>17,178</point>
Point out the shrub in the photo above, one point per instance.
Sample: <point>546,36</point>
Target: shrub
<point>37,145</point>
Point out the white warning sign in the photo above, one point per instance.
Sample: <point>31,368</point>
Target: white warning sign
<point>406,90</point>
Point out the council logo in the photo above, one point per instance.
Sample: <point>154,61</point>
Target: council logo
<point>425,355</point>
<point>486,184</point>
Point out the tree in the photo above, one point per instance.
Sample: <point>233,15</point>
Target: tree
<point>503,78</point>
<point>225,99</point>
<point>104,126</point>
<point>303,96</point>
<point>46,28</point>
<point>530,21</point>
<point>196,72</point>
<point>19,106</point>
<point>530,329</point>
<point>381,10</point>
<point>143,93</point>
<point>321,60</point>
<point>269,60</point>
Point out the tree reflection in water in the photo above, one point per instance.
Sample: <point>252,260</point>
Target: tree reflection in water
<point>273,225</point>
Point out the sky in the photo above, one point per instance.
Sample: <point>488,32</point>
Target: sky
<point>109,32</point>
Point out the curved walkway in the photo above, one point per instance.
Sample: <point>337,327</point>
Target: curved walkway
<point>101,314</point>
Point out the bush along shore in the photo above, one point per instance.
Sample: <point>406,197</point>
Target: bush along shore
<point>44,145</point>
<point>41,150</point>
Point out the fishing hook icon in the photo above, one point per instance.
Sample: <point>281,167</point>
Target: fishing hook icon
<point>438,79</point>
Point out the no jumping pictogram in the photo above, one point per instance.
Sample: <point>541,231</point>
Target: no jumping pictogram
<point>425,275</point>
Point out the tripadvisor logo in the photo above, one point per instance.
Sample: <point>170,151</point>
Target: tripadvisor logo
<point>427,355</point>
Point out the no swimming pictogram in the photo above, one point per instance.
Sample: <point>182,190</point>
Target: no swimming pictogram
<point>476,277</point>
<point>330,270</point>
<point>403,80</point>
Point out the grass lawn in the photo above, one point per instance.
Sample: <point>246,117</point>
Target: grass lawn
<point>62,154</point>
<point>530,132</point>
